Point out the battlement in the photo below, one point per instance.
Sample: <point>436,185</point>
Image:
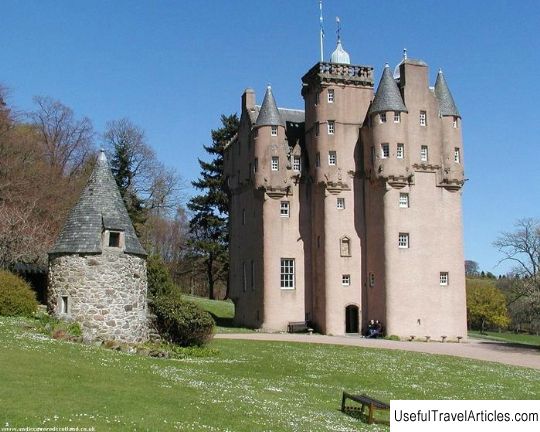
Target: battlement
<point>339,72</point>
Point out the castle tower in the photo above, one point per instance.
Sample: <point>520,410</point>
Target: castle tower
<point>413,167</point>
<point>336,97</point>
<point>97,267</point>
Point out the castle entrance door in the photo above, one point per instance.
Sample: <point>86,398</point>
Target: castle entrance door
<point>351,319</point>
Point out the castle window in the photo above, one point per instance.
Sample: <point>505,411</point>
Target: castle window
<point>332,158</point>
<point>382,117</point>
<point>443,278</point>
<point>287,273</point>
<point>244,281</point>
<point>403,240</point>
<point>318,159</point>
<point>252,279</point>
<point>296,163</point>
<point>345,247</point>
<point>275,163</point>
<point>423,118</point>
<point>424,153</point>
<point>316,128</point>
<point>114,239</point>
<point>456,155</point>
<point>284,209</point>
<point>274,131</point>
<point>330,95</point>
<point>64,305</point>
<point>243,216</point>
<point>397,116</point>
<point>255,165</point>
<point>385,151</point>
<point>454,123</point>
<point>331,127</point>
<point>404,200</point>
<point>400,151</point>
<point>372,279</point>
<point>346,279</point>
<point>317,98</point>
<point>340,205</point>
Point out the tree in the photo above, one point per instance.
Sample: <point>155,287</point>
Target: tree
<point>472,269</point>
<point>486,305</point>
<point>209,224</point>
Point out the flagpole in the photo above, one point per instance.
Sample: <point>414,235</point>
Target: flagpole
<point>321,33</point>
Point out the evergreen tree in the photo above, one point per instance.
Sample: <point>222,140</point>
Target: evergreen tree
<point>209,224</point>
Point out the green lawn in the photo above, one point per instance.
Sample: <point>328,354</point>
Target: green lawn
<point>248,386</point>
<point>523,339</point>
<point>222,312</point>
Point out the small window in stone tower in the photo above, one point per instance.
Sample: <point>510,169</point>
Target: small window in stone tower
<point>404,200</point>
<point>275,163</point>
<point>340,205</point>
<point>345,247</point>
<point>372,279</point>
<point>330,95</point>
<point>318,160</point>
<point>317,98</point>
<point>400,151</point>
<point>397,116</point>
<point>456,155</point>
<point>382,117</point>
<point>424,153</point>
<point>385,151</point>
<point>331,127</point>
<point>403,240</point>
<point>346,279</point>
<point>114,239</point>
<point>64,305</point>
<point>454,122</point>
<point>332,157</point>
<point>423,118</point>
<point>296,163</point>
<point>274,130</point>
<point>443,278</point>
<point>284,209</point>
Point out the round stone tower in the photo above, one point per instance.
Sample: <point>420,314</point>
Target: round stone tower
<point>97,267</point>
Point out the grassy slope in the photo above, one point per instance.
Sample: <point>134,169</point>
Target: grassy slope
<point>524,339</point>
<point>249,386</point>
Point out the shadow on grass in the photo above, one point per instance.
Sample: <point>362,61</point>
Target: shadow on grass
<point>510,346</point>
<point>356,413</point>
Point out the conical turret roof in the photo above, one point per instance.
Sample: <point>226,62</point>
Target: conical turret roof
<point>388,96</point>
<point>100,207</point>
<point>447,106</point>
<point>269,113</point>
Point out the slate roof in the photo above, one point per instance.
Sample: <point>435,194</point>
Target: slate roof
<point>388,96</point>
<point>100,206</point>
<point>269,114</point>
<point>447,106</point>
<point>287,114</point>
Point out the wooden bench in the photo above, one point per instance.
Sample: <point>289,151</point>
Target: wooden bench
<point>364,400</point>
<point>299,327</point>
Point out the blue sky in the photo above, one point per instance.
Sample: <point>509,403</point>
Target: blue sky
<point>173,67</point>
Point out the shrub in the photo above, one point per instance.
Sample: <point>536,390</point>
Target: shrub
<point>160,282</point>
<point>181,321</point>
<point>57,328</point>
<point>16,296</point>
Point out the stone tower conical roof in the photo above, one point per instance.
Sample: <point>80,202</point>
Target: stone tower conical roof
<point>100,207</point>
<point>388,96</point>
<point>447,106</point>
<point>269,113</point>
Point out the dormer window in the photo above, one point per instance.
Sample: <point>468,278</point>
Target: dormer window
<point>114,239</point>
<point>274,131</point>
<point>397,117</point>
<point>382,117</point>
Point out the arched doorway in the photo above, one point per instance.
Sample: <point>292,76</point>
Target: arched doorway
<point>351,319</point>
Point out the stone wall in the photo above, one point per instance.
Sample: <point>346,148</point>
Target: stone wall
<point>106,294</point>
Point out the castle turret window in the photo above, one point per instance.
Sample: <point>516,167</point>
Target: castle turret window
<point>275,163</point>
<point>296,163</point>
<point>372,279</point>
<point>423,118</point>
<point>274,131</point>
<point>424,153</point>
<point>284,209</point>
<point>332,158</point>
<point>400,151</point>
<point>330,95</point>
<point>382,117</point>
<point>318,160</point>
<point>346,279</point>
<point>397,117</point>
<point>403,240</point>
<point>404,200</point>
<point>340,205</point>
<point>64,305</point>
<point>385,150</point>
<point>456,155</point>
<point>454,122</point>
<point>287,273</point>
<point>443,278</point>
<point>331,127</point>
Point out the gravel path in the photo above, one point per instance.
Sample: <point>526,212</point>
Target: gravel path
<point>500,352</point>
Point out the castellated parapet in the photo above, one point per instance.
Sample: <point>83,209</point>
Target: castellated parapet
<point>97,267</point>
